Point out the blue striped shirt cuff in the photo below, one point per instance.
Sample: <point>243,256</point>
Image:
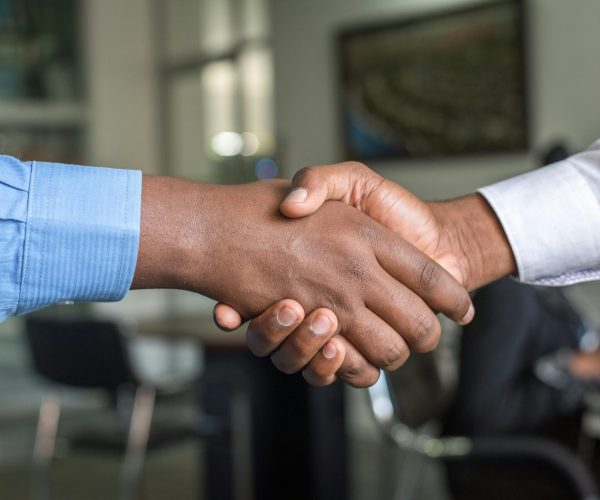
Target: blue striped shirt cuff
<point>14,193</point>
<point>82,234</point>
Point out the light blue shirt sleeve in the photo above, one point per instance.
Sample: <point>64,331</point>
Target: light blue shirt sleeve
<point>67,233</point>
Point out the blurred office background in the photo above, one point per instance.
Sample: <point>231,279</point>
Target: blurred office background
<point>240,90</point>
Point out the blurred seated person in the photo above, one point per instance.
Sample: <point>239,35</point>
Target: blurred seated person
<point>524,370</point>
<point>522,361</point>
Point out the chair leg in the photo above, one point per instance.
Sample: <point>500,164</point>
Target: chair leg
<point>45,444</point>
<point>586,447</point>
<point>411,473</point>
<point>241,446</point>
<point>137,442</point>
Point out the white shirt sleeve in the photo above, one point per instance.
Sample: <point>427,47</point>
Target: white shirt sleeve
<point>551,217</point>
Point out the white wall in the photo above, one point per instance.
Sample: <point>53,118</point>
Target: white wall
<point>121,84</point>
<point>565,78</point>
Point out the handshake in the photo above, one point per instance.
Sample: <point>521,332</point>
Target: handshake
<point>342,278</point>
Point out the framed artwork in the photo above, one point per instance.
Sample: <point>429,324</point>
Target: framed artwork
<point>41,99</point>
<point>39,50</point>
<point>451,83</point>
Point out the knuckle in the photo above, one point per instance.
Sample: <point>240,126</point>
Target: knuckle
<point>257,343</point>
<point>367,178</point>
<point>337,302</point>
<point>398,296</point>
<point>429,274</point>
<point>304,175</point>
<point>426,332</point>
<point>283,364</point>
<point>356,269</point>
<point>353,370</point>
<point>394,357</point>
<point>366,231</point>
<point>356,166</point>
<point>366,380</point>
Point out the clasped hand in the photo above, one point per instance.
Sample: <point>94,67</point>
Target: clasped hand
<point>370,268</point>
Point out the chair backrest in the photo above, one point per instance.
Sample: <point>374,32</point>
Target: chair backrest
<point>417,393</point>
<point>79,353</point>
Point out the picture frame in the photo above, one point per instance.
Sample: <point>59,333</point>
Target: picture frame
<point>446,84</point>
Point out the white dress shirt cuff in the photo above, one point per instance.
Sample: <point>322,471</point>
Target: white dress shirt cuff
<point>551,218</point>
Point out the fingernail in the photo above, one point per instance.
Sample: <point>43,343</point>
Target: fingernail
<point>286,317</point>
<point>329,351</point>
<point>321,324</point>
<point>468,316</point>
<point>297,196</point>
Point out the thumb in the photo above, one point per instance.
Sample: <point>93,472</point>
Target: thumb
<point>313,186</point>
<point>308,192</point>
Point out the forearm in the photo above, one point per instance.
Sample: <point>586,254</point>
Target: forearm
<point>204,238</point>
<point>471,228</point>
<point>175,222</point>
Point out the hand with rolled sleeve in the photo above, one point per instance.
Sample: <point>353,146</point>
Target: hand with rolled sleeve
<point>73,233</point>
<point>543,225</point>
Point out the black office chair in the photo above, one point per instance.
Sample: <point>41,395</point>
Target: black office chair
<point>93,354</point>
<point>400,419</point>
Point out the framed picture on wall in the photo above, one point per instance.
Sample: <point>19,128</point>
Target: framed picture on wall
<point>42,108</point>
<point>40,50</point>
<point>446,84</point>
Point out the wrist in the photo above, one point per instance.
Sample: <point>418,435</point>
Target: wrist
<point>174,216</point>
<point>470,229</point>
<point>210,239</point>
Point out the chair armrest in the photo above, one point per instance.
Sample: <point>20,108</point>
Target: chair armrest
<point>541,449</point>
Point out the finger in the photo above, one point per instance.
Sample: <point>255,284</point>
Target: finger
<point>226,317</point>
<point>356,370</point>
<point>378,342</point>
<point>425,277</point>
<point>407,315</point>
<point>304,343</point>
<point>322,368</point>
<point>267,331</point>
<point>312,186</point>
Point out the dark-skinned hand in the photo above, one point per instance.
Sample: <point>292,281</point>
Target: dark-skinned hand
<point>462,235</point>
<point>232,244</point>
